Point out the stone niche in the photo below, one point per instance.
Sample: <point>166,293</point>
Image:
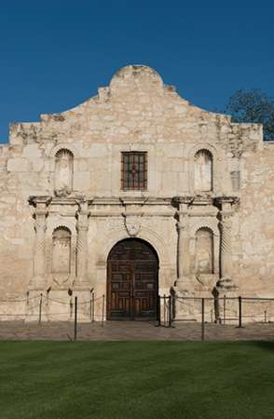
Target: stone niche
<point>204,263</point>
<point>61,251</point>
<point>63,172</point>
<point>203,169</point>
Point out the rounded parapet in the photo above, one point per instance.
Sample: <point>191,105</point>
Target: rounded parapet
<point>136,77</point>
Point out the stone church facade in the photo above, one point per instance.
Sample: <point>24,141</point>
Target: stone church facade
<point>135,192</point>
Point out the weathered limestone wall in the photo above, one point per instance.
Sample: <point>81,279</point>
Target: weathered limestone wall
<point>256,223</point>
<point>137,113</point>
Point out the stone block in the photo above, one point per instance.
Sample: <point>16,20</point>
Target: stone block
<point>18,165</point>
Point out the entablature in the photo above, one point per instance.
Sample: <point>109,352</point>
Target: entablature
<point>193,206</point>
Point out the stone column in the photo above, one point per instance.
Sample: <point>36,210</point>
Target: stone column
<point>225,285</point>
<point>40,215</point>
<point>183,261</point>
<point>225,227</point>
<point>226,216</point>
<point>82,245</point>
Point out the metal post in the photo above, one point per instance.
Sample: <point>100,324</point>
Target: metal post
<point>132,310</point>
<point>203,319</point>
<point>70,307</point>
<point>103,310</point>
<point>265,316</point>
<point>93,307</point>
<point>165,310</point>
<point>170,311</point>
<point>240,312</point>
<point>75,318</point>
<point>224,309</point>
<point>40,308</point>
<point>159,310</point>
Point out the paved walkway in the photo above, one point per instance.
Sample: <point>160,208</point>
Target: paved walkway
<point>120,330</point>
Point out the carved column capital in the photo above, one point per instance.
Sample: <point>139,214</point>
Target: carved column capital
<point>40,201</point>
<point>82,222</point>
<point>82,215</point>
<point>40,216</point>
<point>226,203</point>
<point>180,226</point>
<point>183,200</point>
<point>182,222</point>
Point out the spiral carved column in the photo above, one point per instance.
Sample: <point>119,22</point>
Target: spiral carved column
<point>226,226</point>
<point>225,286</point>
<point>226,206</point>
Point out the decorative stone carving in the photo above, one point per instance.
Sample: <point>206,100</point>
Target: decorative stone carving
<point>132,215</point>
<point>132,224</point>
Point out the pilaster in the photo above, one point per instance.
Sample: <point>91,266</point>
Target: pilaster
<point>226,206</point>
<point>40,215</point>
<point>82,244</point>
<point>183,261</point>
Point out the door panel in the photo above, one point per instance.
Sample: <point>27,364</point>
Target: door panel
<point>132,281</point>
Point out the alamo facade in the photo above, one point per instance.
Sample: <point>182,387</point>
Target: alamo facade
<point>132,194</point>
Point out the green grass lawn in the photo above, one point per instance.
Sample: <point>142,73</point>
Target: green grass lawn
<point>136,380</point>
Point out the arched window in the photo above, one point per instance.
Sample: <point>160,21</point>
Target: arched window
<point>204,251</point>
<point>63,172</point>
<point>203,171</point>
<point>61,250</point>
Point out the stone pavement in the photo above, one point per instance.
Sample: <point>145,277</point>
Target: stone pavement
<point>125,330</point>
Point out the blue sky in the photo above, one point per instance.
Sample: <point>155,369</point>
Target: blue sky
<point>55,54</point>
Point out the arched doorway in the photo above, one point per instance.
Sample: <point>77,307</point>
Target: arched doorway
<point>132,281</point>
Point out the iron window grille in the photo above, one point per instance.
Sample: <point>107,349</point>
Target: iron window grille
<point>134,170</point>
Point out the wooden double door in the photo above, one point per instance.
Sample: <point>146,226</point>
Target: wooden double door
<point>132,281</point>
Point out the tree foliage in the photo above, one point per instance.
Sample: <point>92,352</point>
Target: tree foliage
<point>253,106</point>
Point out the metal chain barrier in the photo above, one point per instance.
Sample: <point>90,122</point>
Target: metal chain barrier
<point>224,311</point>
